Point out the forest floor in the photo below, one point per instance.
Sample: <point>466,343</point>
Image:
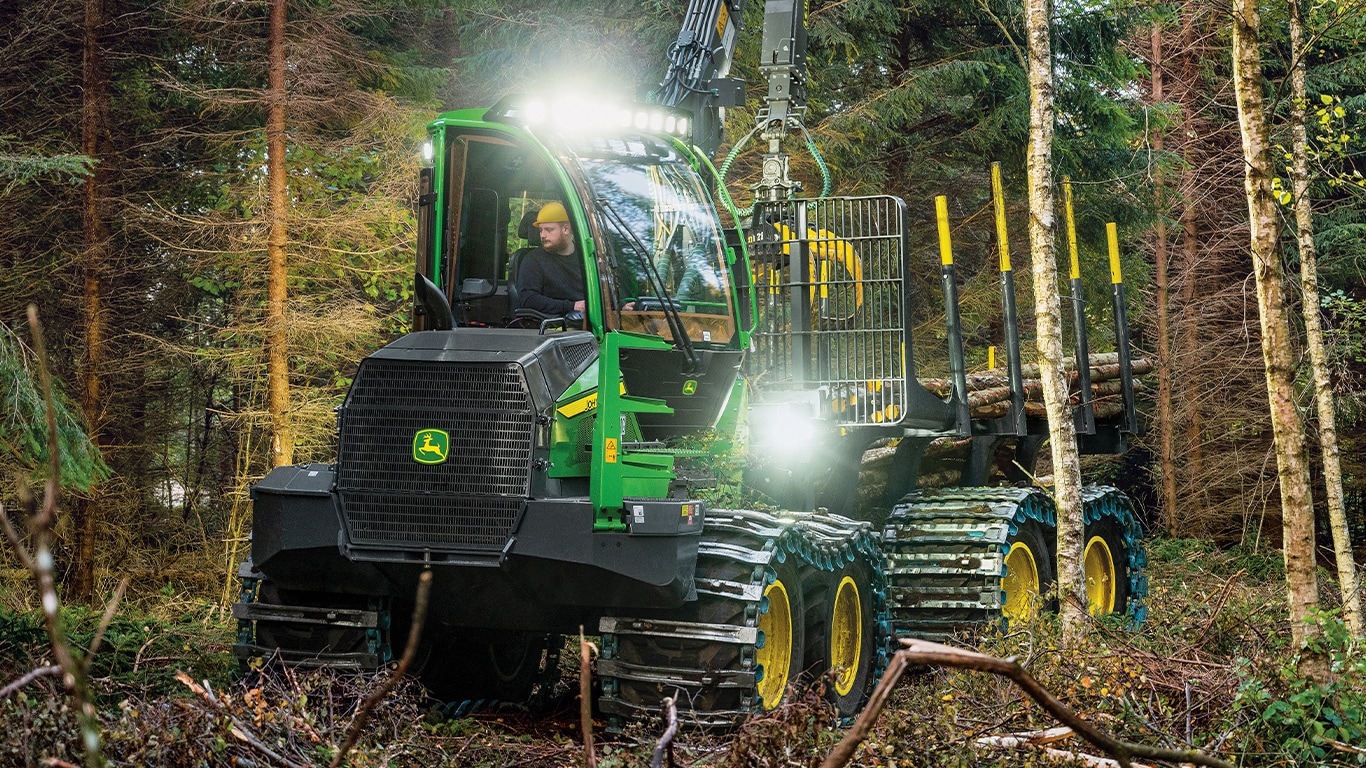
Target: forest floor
<point>1210,669</point>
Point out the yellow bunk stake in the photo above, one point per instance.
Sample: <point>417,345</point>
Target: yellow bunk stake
<point>1126,373</point>
<point>948,278</point>
<point>1016,417</point>
<point>1085,413</point>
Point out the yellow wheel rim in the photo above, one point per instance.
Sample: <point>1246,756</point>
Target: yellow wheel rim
<point>1100,577</point>
<point>846,635</point>
<point>1021,583</point>
<point>775,657</point>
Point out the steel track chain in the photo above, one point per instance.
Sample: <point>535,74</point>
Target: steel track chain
<point>710,666</point>
<point>946,548</point>
<point>372,623</point>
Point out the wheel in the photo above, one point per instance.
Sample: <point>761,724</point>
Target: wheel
<point>501,665</point>
<point>1106,567</point>
<point>740,677</point>
<point>1029,572</point>
<point>841,638</point>
<point>781,643</point>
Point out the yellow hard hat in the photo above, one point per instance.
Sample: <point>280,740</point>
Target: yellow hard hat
<point>551,213</point>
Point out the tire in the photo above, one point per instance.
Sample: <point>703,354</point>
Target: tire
<point>501,666</point>
<point>774,659</point>
<point>842,636</point>
<point>1106,567</point>
<point>782,647</point>
<point>1029,572</point>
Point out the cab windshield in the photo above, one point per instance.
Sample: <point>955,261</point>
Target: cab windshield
<point>676,257</point>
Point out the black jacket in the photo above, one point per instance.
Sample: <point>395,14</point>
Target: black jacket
<point>551,283</point>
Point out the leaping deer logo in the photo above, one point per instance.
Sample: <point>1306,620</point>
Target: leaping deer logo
<point>430,446</point>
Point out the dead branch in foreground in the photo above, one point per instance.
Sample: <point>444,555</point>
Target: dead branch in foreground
<point>424,587</point>
<point>590,758</point>
<point>924,652</point>
<point>28,677</point>
<point>666,742</point>
<point>40,563</point>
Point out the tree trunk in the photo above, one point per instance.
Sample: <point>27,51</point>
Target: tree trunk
<point>1048,318</point>
<point>277,350</point>
<point>1292,466</point>
<point>95,236</point>
<point>1166,452</point>
<point>1190,263</point>
<point>1309,280</point>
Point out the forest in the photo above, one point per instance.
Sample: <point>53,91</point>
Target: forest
<point>211,211</point>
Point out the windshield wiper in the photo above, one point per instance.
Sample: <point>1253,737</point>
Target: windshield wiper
<point>669,307</point>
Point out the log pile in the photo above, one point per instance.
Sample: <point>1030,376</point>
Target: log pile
<point>989,391</point>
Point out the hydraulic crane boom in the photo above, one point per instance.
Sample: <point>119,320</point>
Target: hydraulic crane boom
<point>697,79</point>
<point>699,62</point>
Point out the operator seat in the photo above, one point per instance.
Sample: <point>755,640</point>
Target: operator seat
<point>526,229</point>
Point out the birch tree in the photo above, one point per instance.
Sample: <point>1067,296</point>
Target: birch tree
<point>1048,319</point>
<point>1292,466</point>
<point>1313,329</point>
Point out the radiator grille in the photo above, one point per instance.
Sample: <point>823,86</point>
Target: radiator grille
<point>577,355</point>
<point>469,500</point>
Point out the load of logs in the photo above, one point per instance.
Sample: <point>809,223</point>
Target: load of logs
<point>989,391</point>
<point>989,398</point>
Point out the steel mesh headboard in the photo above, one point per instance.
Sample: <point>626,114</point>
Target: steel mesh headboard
<point>836,319</point>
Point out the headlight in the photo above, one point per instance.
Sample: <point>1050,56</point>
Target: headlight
<point>786,433</point>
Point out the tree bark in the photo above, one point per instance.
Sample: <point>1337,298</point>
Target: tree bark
<point>96,242</point>
<point>1297,502</point>
<point>277,275</point>
<point>1166,452</point>
<point>1190,263</point>
<point>1313,329</point>
<point>1048,320</point>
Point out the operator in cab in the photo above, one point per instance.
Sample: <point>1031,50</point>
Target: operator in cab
<point>551,279</point>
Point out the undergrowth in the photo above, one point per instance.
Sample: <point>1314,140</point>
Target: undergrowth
<point>1210,669</point>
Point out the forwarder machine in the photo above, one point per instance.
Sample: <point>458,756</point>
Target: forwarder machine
<point>547,470</point>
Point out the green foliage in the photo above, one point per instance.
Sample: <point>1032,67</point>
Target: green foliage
<point>23,421</point>
<point>1295,717</point>
<point>1346,336</point>
<point>20,167</point>
<point>133,655</point>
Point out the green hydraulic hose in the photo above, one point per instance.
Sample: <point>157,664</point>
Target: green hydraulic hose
<point>826,181</point>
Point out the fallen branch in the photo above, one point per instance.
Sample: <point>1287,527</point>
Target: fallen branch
<point>666,742</point>
<point>238,729</point>
<point>1341,747</point>
<point>1041,740</point>
<point>924,652</point>
<point>844,751</point>
<point>1034,738</point>
<point>30,676</point>
<point>590,758</point>
<point>424,587</point>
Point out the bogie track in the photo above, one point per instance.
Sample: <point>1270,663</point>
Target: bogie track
<point>759,622</point>
<point>947,553</point>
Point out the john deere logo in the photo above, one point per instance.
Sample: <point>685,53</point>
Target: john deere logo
<point>690,387</point>
<point>430,446</point>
